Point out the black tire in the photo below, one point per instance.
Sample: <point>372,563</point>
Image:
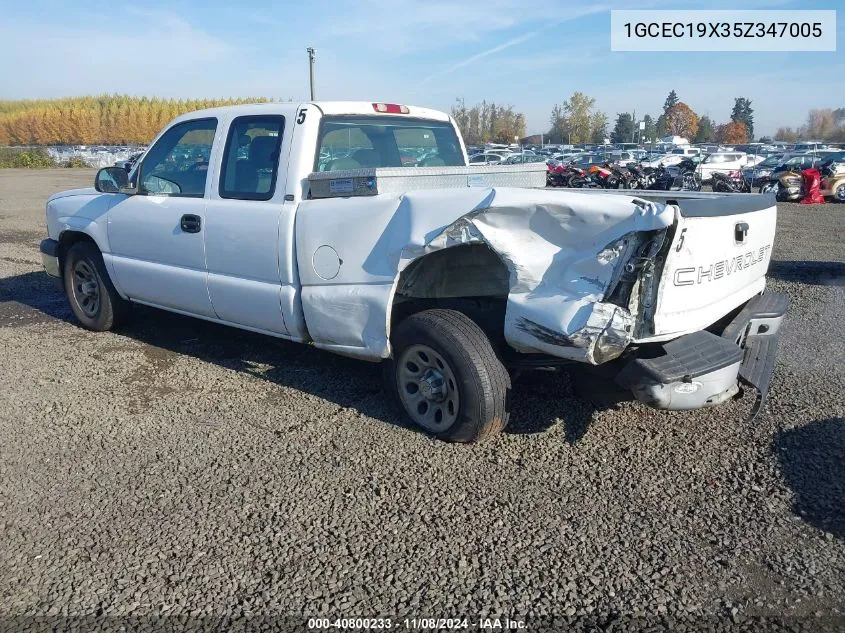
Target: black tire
<point>482,384</point>
<point>85,273</point>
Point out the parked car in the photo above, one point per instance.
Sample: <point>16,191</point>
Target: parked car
<point>809,146</point>
<point>623,158</point>
<point>449,279</point>
<point>486,158</point>
<point>760,172</point>
<point>664,160</point>
<point>585,161</point>
<point>796,162</point>
<point>833,180</point>
<point>686,151</point>
<point>724,163</point>
<point>525,157</point>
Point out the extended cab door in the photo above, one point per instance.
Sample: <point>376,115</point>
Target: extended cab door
<point>249,230</point>
<point>156,235</point>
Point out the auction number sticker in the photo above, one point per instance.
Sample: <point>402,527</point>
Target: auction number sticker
<point>723,30</point>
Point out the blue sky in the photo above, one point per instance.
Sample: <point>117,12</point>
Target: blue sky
<point>528,53</point>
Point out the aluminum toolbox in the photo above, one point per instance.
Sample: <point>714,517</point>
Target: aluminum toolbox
<point>375,180</point>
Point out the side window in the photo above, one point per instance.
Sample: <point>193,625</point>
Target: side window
<point>251,158</point>
<point>177,165</point>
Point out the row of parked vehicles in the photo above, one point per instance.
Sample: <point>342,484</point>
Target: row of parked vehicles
<point>685,168</point>
<point>607,175</point>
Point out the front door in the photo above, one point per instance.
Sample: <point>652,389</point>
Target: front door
<point>156,235</point>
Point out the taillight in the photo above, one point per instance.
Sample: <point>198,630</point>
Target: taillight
<point>390,108</point>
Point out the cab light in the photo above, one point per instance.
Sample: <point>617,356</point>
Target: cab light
<point>391,108</point>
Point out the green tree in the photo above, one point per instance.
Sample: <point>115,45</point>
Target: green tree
<point>650,129</point>
<point>706,133</point>
<point>661,128</point>
<point>598,127</point>
<point>577,112</point>
<point>558,131</point>
<point>623,130</point>
<point>743,113</point>
<point>671,100</point>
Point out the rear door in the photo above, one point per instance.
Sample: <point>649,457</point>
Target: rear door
<point>717,260</point>
<point>248,236</point>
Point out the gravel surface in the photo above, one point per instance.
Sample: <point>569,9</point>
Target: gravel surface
<point>179,467</point>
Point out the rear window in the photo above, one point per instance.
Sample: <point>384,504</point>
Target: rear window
<point>357,142</point>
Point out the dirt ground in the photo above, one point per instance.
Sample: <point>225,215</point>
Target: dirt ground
<point>177,467</point>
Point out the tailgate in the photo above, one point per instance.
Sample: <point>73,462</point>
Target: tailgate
<point>717,260</point>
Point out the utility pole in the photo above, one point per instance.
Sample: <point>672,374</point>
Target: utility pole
<point>311,69</point>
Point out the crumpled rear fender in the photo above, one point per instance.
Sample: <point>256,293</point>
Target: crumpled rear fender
<point>564,251</point>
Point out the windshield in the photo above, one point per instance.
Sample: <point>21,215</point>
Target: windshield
<point>771,161</point>
<point>356,142</point>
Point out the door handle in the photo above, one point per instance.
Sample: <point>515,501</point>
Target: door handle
<point>191,223</point>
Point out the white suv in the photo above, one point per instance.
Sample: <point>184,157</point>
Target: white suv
<point>725,162</point>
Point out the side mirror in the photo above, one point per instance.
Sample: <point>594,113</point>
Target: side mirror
<point>111,180</point>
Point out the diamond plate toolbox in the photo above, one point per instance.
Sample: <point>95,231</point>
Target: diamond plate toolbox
<point>375,180</point>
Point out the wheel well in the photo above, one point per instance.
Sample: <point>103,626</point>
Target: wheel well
<point>470,278</point>
<point>68,239</point>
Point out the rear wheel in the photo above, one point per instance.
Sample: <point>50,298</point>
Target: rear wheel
<point>840,193</point>
<point>446,378</point>
<point>93,298</point>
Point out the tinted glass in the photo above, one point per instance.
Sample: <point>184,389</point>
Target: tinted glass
<point>771,161</point>
<point>177,165</point>
<point>358,142</point>
<point>251,160</point>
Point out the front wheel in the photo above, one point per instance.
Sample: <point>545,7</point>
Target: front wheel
<point>93,298</point>
<point>446,377</point>
<point>839,194</point>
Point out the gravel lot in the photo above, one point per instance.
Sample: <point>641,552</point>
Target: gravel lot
<point>179,467</point>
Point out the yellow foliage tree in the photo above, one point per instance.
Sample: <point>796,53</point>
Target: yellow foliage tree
<point>102,120</point>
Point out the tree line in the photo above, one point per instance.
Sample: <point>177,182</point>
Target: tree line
<point>679,119</point>
<point>488,122</point>
<point>124,120</point>
<point>103,120</point>
<point>822,125</point>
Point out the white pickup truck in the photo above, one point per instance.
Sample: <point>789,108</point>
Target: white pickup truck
<point>359,228</point>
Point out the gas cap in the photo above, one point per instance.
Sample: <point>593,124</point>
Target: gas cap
<point>326,262</point>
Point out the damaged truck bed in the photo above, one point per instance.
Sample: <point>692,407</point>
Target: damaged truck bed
<point>448,274</point>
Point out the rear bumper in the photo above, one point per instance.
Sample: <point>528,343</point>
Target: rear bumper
<point>704,369</point>
<point>50,257</point>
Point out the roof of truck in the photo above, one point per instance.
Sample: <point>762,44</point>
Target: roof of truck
<point>326,107</point>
